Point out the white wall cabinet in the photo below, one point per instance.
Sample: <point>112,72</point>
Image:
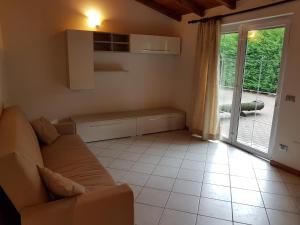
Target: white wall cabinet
<point>80,59</point>
<point>126,124</point>
<point>151,44</point>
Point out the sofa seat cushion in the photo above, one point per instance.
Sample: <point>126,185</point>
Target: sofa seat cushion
<point>70,157</point>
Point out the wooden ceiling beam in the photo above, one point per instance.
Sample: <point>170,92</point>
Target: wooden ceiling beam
<point>231,4</point>
<point>160,8</point>
<point>193,6</point>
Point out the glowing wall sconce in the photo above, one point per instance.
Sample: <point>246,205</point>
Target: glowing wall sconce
<point>252,34</point>
<point>94,18</point>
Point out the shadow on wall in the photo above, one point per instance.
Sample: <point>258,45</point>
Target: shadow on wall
<point>114,25</point>
<point>59,60</point>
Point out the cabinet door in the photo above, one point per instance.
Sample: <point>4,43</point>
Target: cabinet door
<point>176,122</point>
<point>152,124</point>
<point>150,44</point>
<point>80,59</point>
<point>160,123</point>
<point>173,45</point>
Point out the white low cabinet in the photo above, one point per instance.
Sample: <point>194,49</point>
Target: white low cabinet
<point>127,124</point>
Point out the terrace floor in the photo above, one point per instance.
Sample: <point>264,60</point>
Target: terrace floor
<point>254,129</point>
<point>179,180</point>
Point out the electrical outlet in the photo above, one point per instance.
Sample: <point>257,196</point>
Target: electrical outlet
<point>290,98</point>
<point>283,147</point>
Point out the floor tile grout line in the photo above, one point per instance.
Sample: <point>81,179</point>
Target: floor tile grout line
<point>146,180</point>
<point>167,199</point>
<point>130,170</point>
<point>147,147</point>
<point>262,197</point>
<point>171,191</point>
<point>229,164</point>
<point>207,145</point>
<point>230,187</point>
<point>137,161</point>
<point>156,206</point>
<point>196,214</point>
<point>163,155</point>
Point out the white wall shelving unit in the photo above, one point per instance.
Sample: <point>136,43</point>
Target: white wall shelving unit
<point>83,44</point>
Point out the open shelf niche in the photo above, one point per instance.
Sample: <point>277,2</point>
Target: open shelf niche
<point>111,42</point>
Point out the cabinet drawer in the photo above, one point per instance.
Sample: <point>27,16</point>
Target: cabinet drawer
<point>103,130</point>
<point>160,123</point>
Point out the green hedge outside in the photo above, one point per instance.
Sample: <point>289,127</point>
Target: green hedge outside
<point>263,58</point>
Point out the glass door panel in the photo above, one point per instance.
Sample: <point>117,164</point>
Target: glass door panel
<point>259,87</point>
<point>228,58</point>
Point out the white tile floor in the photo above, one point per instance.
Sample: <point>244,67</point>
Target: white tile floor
<point>179,180</point>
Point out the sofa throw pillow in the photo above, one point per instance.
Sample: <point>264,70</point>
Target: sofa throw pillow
<point>45,130</point>
<point>59,185</point>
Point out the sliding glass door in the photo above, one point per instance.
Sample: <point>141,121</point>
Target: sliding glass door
<point>251,66</point>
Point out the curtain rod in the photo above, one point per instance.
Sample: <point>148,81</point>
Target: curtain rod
<point>239,12</point>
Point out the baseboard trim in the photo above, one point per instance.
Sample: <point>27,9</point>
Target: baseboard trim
<point>285,167</point>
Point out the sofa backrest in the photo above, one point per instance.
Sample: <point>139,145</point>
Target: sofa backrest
<point>19,156</point>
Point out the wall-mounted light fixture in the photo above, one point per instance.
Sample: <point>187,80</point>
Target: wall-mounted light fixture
<point>252,34</point>
<point>94,18</point>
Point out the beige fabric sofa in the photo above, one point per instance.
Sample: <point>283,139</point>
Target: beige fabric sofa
<point>105,203</point>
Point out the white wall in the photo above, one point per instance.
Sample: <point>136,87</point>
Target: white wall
<point>35,42</point>
<point>147,84</point>
<point>289,120</point>
<point>186,62</point>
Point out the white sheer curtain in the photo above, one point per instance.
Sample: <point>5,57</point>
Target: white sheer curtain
<point>205,116</point>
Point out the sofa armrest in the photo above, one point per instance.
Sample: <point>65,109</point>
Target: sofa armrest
<point>66,128</point>
<point>113,206</point>
<point>108,205</point>
<point>58,212</point>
